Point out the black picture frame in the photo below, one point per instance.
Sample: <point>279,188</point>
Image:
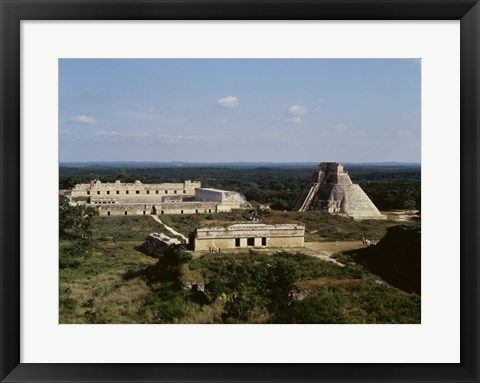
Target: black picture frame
<point>13,11</point>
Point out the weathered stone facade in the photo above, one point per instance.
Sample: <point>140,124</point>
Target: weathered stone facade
<point>225,197</point>
<point>332,190</point>
<point>114,199</point>
<point>137,188</point>
<point>249,236</point>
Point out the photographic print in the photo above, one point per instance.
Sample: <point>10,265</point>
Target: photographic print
<point>240,191</point>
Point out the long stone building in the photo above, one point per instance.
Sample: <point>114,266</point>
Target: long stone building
<point>144,199</point>
<point>331,189</point>
<point>249,236</point>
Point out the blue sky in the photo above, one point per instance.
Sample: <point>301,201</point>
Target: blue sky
<point>222,110</point>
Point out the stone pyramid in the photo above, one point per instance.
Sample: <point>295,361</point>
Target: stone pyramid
<point>332,190</point>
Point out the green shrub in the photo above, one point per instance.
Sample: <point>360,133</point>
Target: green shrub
<point>323,307</point>
<point>165,304</point>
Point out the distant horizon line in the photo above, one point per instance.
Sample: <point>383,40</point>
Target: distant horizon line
<point>238,162</point>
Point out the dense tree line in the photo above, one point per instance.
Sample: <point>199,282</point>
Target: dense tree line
<point>388,187</point>
<point>388,196</point>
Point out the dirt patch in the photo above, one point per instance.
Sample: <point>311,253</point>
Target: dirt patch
<point>330,248</point>
<point>324,250</point>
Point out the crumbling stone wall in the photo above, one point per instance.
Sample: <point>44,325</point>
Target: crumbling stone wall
<point>157,243</point>
<point>114,199</point>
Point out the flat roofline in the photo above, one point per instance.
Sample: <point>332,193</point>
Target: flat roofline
<point>253,226</point>
<point>217,190</point>
<point>137,182</point>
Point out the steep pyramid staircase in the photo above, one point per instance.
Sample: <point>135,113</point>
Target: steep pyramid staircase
<point>305,200</point>
<point>332,190</point>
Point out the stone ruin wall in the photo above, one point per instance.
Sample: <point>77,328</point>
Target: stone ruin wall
<point>116,199</point>
<point>356,202</point>
<point>250,236</point>
<point>119,189</point>
<point>225,197</point>
<point>162,209</point>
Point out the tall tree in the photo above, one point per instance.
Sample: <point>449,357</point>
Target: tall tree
<point>75,220</point>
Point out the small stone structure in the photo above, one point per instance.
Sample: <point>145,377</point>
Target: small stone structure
<point>230,198</point>
<point>249,235</point>
<point>144,199</point>
<point>332,190</point>
<point>157,243</point>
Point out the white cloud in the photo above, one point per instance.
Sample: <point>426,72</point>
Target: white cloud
<point>228,102</point>
<point>82,119</point>
<point>110,133</point>
<point>151,109</point>
<point>340,127</point>
<point>297,110</point>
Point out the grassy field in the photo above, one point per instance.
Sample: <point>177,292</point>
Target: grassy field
<point>92,284</point>
<point>133,228</point>
<point>94,289</point>
<point>107,279</point>
<point>322,226</point>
